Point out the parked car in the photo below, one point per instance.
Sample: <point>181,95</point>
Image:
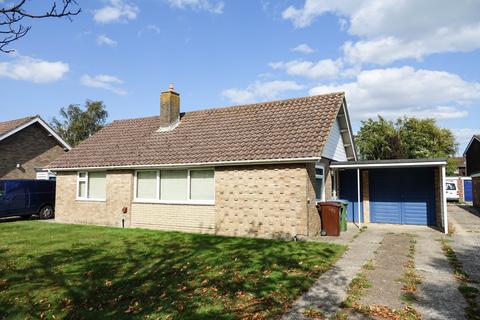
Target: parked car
<point>26,198</point>
<point>452,190</point>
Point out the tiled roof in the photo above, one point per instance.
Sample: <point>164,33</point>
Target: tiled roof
<point>460,161</point>
<point>286,129</point>
<point>7,126</point>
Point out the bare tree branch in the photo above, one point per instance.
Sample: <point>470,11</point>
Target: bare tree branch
<point>11,16</point>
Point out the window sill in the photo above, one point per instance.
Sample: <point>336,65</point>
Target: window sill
<point>177,202</point>
<point>90,200</point>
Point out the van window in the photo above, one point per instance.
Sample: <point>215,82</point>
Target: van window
<point>451,186</point>
<point>2,189</point>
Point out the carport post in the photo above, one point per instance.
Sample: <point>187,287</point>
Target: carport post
<point>358,198</point>
<point>444,199</point>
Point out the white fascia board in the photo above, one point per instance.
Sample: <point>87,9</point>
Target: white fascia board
<point>476,175</point>
<point>192,165</point>
<point>388,165</point>
<point>44,125</point>
<point>349,128</point>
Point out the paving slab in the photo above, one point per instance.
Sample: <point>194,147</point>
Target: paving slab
<point>330,290</point>
<point>438,293</point>
<point>389,264</point>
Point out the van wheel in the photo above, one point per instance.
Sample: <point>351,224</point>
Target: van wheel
<point>46,212</point>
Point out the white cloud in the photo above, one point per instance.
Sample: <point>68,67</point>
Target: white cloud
<point>463,137</point>
<point>395,92</point>
<point>116,11</point>
<point>303,48</point>
<point>315,70</point>
<point>103,81</point>
<point>394,30</point>
<point>260,91</point>
<point>104,40</point>
<point>206,5</point>
<point>34,70</point>
<point>150,28</point>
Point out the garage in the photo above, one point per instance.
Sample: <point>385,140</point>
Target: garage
<point>407,192</point>
<point>402,196</point>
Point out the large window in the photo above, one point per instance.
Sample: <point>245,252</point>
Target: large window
<point>175,186</point>
<point>319,181</point>
<point>91,185</point>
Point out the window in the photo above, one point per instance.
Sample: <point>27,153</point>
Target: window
<point>91,185</point>
<point>2,189</point>
<point>176,186</point>
<point>147,185</point>
<point>173,185</point>
<point>202,185</point>
<point>319,182</point>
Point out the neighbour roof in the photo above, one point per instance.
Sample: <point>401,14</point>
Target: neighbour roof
<point>460,161</point>
<point>285,129</point>
<point>474,137</point>
<point>389,163</point>
<point>8,128</point>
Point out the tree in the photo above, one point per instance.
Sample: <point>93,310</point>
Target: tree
<point>407,138</point>
<point>12,16</point>
<point>77,125</point>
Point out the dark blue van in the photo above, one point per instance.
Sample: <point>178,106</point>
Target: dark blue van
<point>27,197</point>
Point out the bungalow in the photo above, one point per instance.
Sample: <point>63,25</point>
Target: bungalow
<point>250,170</point>
<point>472,160</point>
<point>26,146</point>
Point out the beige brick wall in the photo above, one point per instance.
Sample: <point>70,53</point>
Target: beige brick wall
<point>109,212</point>
<point>174,217</point>
<point>366,196</point>
<point>31,148</point>
<point>264,201</point>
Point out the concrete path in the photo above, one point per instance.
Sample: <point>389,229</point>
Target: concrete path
<point>389,265</point>
<point>330,290</point>
<point>438,293</point>
<point>466,239</point>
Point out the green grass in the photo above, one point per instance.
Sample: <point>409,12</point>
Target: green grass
<point>50,270</point>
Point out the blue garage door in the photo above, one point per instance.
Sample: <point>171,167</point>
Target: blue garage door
<point>467,190</point>
<point>348,191</point>
<point>402,196</point>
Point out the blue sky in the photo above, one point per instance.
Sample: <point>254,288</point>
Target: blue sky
<point>415,58</point>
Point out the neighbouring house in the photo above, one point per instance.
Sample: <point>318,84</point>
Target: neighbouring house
<point>27,145</point>
<point>460,169</point>
<point>472,161</point>
<point>249,170</point>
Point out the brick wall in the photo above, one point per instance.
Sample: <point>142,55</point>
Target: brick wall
<point>476,191</point>
<point>174,217</point>
<point>31,148</point>
<point>262,201</point>
<point>265,201</point>
<point>109,212</point>
<point>366,196</point>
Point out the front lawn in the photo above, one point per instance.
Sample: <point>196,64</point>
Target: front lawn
<point>54,271</point>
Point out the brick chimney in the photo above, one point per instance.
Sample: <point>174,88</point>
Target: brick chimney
<point>169,109</point>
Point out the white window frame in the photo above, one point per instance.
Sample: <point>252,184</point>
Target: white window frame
<point>187,190</point>
<point>85,179</point>
<point>319,165</point>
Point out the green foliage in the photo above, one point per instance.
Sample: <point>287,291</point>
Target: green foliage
<point>76,125</point>
<point>407,138</point>
<point>57,271</point>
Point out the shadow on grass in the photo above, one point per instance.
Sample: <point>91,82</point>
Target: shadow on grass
<point>92,273</point>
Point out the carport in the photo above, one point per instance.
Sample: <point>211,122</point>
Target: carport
<point>404,191</point>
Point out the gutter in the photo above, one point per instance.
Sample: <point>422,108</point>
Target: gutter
<point>193,164</point>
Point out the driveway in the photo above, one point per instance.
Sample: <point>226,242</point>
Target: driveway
<point>390,255</point>
<point>466,238</point>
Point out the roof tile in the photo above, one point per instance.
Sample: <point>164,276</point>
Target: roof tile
<point>285,129</point>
